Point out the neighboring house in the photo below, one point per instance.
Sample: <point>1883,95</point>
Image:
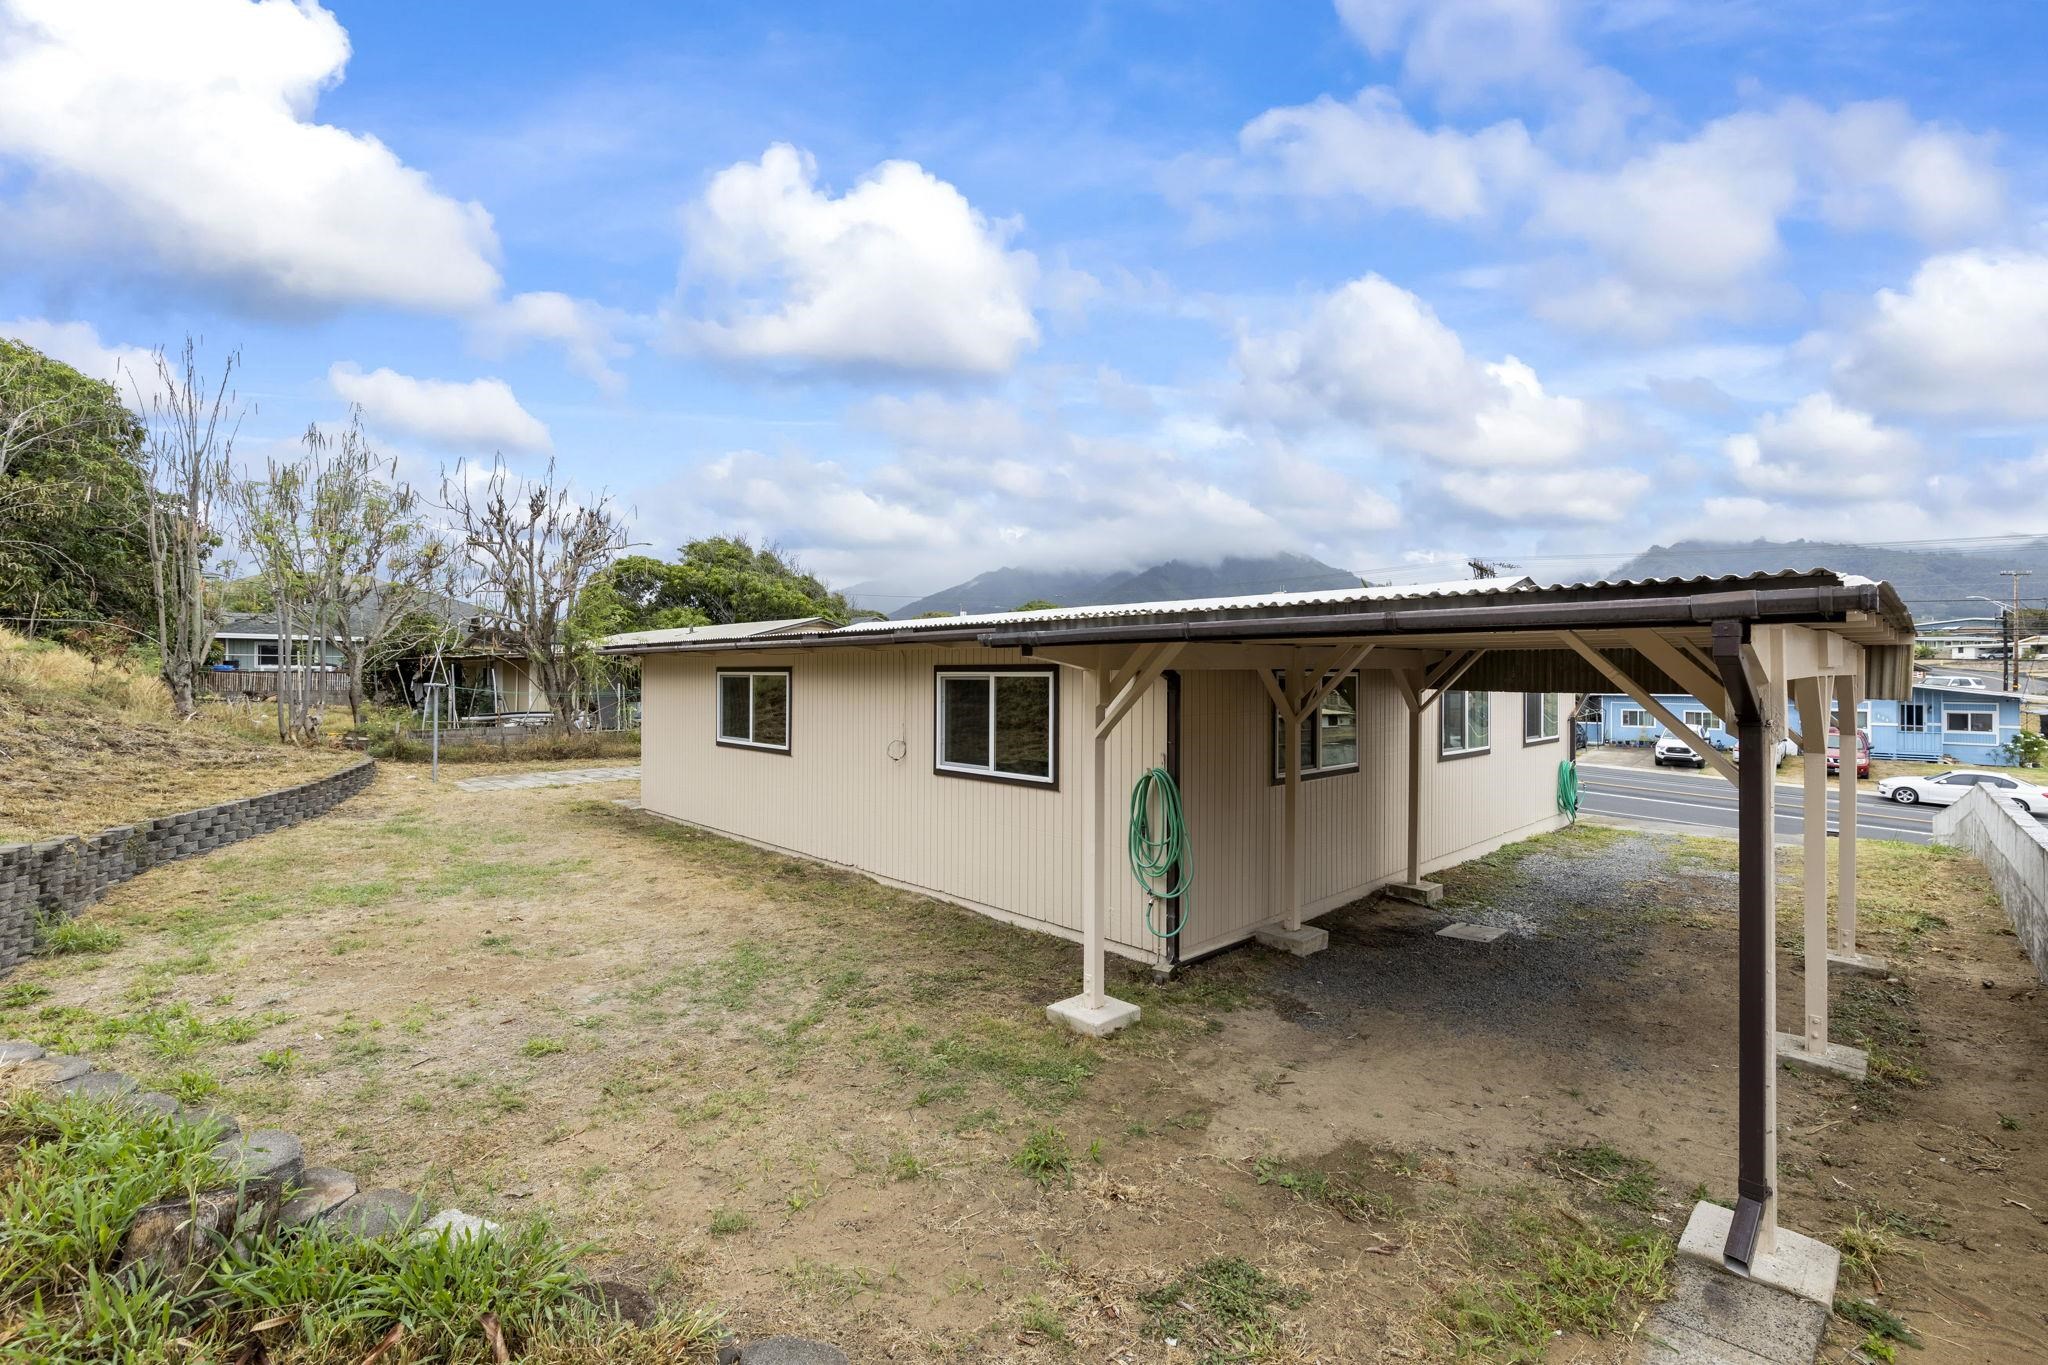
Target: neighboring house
<point>1967,725</point>
<point>249,642</point>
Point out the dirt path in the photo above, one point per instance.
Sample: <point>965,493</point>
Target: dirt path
<point>805,1098</point>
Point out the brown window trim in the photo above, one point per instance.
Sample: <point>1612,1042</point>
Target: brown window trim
<point>1481,752</point>
<point>1051,671</point>
<point>1356,765</point>
<point>788,720</point>
<point>1532,741</point>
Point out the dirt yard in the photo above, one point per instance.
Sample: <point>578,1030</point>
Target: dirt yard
<point>827,1107</point>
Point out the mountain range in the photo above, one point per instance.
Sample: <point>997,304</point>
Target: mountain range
<point>1009,588</point>
<point>1935,583</point>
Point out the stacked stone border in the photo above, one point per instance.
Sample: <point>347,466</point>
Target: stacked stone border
<point>54,879</point>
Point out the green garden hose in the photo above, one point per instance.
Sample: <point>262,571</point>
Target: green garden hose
<point>1568,789</point>
<point>1155,855</point>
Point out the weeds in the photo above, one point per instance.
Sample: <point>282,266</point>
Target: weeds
<point>1881,1327</point>
<point>1046,1158</point>
<point>1627,1180</point>
<point>65,937</point>
<point>1553,1271</point>
<point>1227,1304</point>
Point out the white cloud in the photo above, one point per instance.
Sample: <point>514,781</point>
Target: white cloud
<point>586,332</point>
<point>1375,355</point>
<point>1692,226</point>
<point>1372,150</point>
<point>1550,496</point>
<point>1967,337</point>
<point>184,132</point>
<point>1819,451</point>
<point>78,345</point>
<point>900,272</point>
<point>481,414</point>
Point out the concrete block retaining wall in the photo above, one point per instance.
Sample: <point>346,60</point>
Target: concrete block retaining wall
<point>56,878</point>
<point>2013,846</point>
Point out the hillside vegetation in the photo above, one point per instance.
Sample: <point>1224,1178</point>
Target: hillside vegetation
<point>85,746</point>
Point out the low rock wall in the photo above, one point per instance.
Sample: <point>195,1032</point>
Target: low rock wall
<point>54,879</point>
<point>2013,846</point>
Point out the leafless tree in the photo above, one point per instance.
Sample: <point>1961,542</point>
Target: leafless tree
<point>535,547</point>
<point>187,451</point>
<point>373,552</point>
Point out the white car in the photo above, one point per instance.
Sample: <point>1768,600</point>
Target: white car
<point>1962,680</point>
<point>1950,788</point>
<point>1675,751</point>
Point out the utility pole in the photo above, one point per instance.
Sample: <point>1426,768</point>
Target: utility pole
<point>2012,630</point>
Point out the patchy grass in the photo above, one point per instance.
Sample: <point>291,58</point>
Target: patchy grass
<point>1356,1180</point>
<point>1475,881</point>
<point>1622,1179</point>
<point>1046,1157</point>
<point>1227,1308</point>
<point>63,937</point>
<point>1880,1017</point>
<point>1548,1269</point>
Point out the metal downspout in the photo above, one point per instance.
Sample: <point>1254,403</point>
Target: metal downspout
<point>1753,1177</point>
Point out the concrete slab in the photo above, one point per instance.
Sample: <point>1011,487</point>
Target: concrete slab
<point>1853,1063</point>
<point>1100,1022</point>
<point>1472,933</point>
<point>1301,942</point>
<point>1799,1265</point>
<point>1863,963</point>
<point>1421,893</point>
<point>1715,1318</point>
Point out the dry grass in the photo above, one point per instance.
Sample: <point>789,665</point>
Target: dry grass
<point>805,1098</point>
<point>85,746</point>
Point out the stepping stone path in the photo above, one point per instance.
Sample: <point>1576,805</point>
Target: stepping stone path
<point>568,777</point>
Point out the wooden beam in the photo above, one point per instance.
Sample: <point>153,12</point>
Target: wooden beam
<point>1137,688</point>
<point>1433,679</point>
<point>1134,663</point>
<point>1410,683</point>
<point>1345,667</point>
<point>1637,693</point>
<point>1682,670</point>
<point>1448,678</point>
<point>1811,695</point>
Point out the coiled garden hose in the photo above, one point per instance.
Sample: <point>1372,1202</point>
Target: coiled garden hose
<point>1157,846</point>
<point>1568,790</point>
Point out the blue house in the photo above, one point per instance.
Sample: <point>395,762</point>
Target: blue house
<point>1965,725</point>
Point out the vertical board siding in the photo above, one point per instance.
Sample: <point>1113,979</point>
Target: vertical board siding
<point>857,788</point>
<point>1354,825</point>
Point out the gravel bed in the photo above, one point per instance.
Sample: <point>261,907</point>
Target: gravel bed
<point>1578,926</point>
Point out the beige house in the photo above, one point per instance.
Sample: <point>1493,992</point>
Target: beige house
<point>1324,743</point>
<point>914,753</point>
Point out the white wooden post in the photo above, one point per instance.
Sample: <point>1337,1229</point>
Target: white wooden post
<point>1091,855</point>
<point>1848,694</point>
<point>1290,821</point>
<point>1094,1011</point>
<point>1414,794</point>
<point>1812,698</point>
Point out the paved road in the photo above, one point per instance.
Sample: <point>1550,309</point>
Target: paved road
<point>1651,796</point>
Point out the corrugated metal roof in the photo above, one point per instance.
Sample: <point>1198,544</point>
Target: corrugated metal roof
<point>1187,605</point>
<point>737,630</point>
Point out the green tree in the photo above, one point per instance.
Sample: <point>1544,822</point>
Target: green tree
<point>71,495</point>
<point>1038,604</point>
<point>715,581</point>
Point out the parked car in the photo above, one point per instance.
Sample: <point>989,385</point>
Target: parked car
<point>1673,751</point>
<point>1862,753</point>
<point>1950,788</point>
<point>1964,680</point>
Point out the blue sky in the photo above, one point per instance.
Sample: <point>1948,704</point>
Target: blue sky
<point>918,290</point>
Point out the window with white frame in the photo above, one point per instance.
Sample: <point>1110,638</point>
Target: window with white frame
<point>1970,722</point>
<point>1465,729</point>
<point>1329,738</point>
<point>1699,722</point>
<point>1634,718</point>
<point>1913,717</point>
<point>753,708</point>
<point>1540,717</point>
<point>266,654</point>
<point>997,723</point>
